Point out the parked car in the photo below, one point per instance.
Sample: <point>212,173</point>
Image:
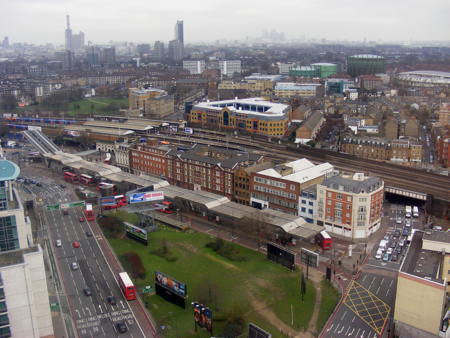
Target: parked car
<point>401,243</point>
<point>397,233</point>
<point>399,250</point>
<point>379,254</point>
<point>81,219</point>
<point>394,257</point>
<point>408,223</point>
<point>393,244</point>
<point>386,257</point>
<point>65,212</point>
<point>405,232</point>
<point>398,220</point>
<point>389,251</point>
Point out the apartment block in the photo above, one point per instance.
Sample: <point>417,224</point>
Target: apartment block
<point>195,66</point>
<point>151,102</point>
<point>291,89</point>
<point>280,188</point>
<point>350,206</point>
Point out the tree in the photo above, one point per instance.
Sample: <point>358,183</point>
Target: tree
<point>8,103</point>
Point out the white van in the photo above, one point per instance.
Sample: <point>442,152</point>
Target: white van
<point>379,254</point>
<point>383,244</point>
<point>58,243</point>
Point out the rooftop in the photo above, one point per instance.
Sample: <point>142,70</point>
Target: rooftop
<point>251,106</point>
<point>144,91</point>
<point>16,256</point>
<point>296,86</point>
<point>8,170</point>
<point>421,263</point>
<point>366,185</point>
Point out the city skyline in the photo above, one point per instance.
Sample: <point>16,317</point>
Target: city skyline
<point>380,21</point>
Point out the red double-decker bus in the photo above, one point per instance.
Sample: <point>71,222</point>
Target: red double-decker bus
<point>70,177</point>
<point>324,240</point>
<point>89,212</point>
<point>127,286</point>
<point>120,201</point>
<point>86,179</point>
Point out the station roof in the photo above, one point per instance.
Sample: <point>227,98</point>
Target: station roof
<point>142,180</point>
<point>8,170</point>
<point>235,210</point>
<point>294,225</point>
<point>209,200</point>
<point>134,125</point>
<point>101,130</point>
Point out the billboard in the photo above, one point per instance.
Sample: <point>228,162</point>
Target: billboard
<point>136,233</point>
<point>280,255</point>
<point>109,200</point>
<point>145,197</point>
<point>189,131</point>
<point>309,258</point>
<point>256,332</point>
<point>170,289</point>
<point>202,316</point>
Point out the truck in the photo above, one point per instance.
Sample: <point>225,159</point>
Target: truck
<point>408,211</point>
<point>383,245</point>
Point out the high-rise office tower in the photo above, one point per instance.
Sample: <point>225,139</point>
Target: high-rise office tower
<point>5,43</point>
<point>68,34</point>
<point>158,50</point>
<point>78,41</point>
<point>108,55</point>
<point>179,38</point>
<point>24,301</point>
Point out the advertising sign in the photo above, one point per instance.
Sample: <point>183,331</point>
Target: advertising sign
<point>136,233</point>
<point>281,255</point>
<point>170,283</point>
<point>72,204</point>
<point>189,131</point>
<point>146,197</point>
<point>309,258</point>
<point>202,316</point>
<point>109,200</point>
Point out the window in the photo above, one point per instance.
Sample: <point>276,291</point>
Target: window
<point>349,198</point>
<point>3,307</point>
<point>5,332</point>
<point>329,194</point>
<point>303,209</point>
<point>2,293</point>
<point>339,196</point>
<point>303,201</point>
<point>310,211</point>
<point>310,203</point>
<point>4,320</point>
<point>329,202</point>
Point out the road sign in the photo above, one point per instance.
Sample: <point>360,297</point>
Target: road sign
<point>53,207</point>
<point>147,289</point>
<point>72,204</point>
<point>54,306</point>
<point>309,258</point>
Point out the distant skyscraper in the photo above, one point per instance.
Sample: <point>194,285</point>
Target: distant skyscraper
<point>108,56</point>
<point>179,38</point>
<point>78,41</point>
<point>68,34</point>
<point>69,60</point>
<point>5,43</point>
<point>92,56</point>
<point>158,50</point>
<point>179,32</point>
<point>175,50</point>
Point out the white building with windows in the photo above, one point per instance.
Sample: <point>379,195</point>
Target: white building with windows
<point>195,66</point>
<point>229,67</point>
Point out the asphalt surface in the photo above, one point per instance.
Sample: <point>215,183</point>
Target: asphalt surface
<point>92,315</point>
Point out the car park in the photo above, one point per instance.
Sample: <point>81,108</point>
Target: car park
<point>58,243</point>
<point>76,244</point>
<point>111,300</point>
<point>87,292</point>
<point>74,266</point>
<point>386,257</point>
<point>121,326</point>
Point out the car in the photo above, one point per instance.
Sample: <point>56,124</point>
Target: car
<point>396,233</point>
<point>389,251</point>
<point>62,186</point>
<point>76,244</point>
<point>398,220</point>
<point>437,227</point>
<point>401,243</point>
<point>74,266</point>
<point>38,184</point>
<point>379,254</point>
<point>65,212</point>
<point>394,257</point>
<point>88,234</point>
<point>87,292</point>
<point>386,237</point>
<point>386,257</point>
<point>405,232</point>
<point>58,243</point>
<point>111,300</point>
<point>399,250</point>
<point>121,326</point>
<point>81,219</point>
<point>393,244</point>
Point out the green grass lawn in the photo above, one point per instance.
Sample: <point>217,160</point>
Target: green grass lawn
<point>243,288</point>
<point>330,297</point>
<point>95,104</point>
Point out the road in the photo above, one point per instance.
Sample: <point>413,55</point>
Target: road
<point>92,315</point>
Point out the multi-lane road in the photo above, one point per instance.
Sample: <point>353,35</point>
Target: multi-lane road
<point>92,316</point>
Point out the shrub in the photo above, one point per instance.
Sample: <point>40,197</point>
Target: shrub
<point>226,250</point>
<point>164,252</point>
<point>133,263</point>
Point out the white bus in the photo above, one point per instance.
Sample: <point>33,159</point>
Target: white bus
<point>415,211</point>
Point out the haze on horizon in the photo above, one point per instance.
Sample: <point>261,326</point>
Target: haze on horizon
<point>43,21</point>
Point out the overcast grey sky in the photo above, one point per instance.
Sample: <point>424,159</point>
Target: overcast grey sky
<point>41,21</point>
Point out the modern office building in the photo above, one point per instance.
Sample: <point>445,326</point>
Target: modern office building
<point>325,69</point>
<point>179,31</point>
<point>151,102</point>
<point>363,64</point>
<point>422,286</point>
<point>78,41</point>
<point>158,50</point>
<point>175,50</point>
<point>291,89</point>
<point>108,55</point>
<point>350,206</point>
<point>195,66</point>
<point>24,300</point>
<point>230,67</point>
<point>280,187</point>
<point>252,115</point>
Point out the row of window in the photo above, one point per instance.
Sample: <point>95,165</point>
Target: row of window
<point>274,200</point>
<point>275,192</point>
